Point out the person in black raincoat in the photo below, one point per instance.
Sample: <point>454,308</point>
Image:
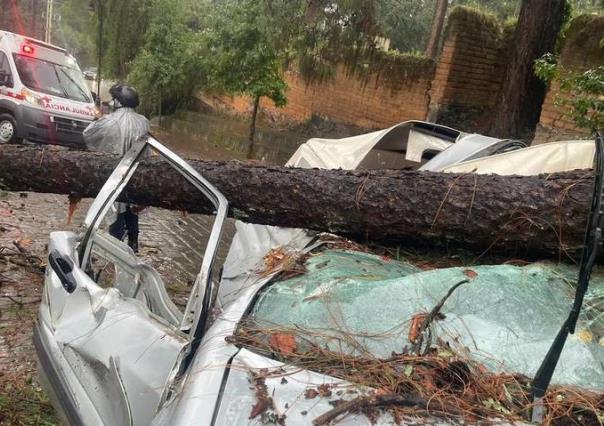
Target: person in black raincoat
<point>115,133</point>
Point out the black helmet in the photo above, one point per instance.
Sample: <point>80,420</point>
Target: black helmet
<point>126,95</point>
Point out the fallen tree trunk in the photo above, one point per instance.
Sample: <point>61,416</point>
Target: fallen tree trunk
<point>521,216</point>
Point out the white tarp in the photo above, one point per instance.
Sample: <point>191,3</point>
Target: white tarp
<point>547,158</point>
<point>464,148</point>
<point>349,153</point>
<point>344,153</point>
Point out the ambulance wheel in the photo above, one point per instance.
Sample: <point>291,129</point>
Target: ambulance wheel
<point>8,129</point>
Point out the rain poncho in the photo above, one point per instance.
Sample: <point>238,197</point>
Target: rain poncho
<point>116,132</point>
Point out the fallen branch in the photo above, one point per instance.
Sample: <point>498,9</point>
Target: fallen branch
<point>364,402</point>
<point>434,314</point>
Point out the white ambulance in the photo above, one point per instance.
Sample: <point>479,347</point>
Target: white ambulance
<point>43,94</point>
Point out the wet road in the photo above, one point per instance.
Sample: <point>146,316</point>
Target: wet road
<point>216,137</point>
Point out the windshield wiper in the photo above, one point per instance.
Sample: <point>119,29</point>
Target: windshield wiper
<point>59,81</point>
<point>592,243</point>
<point>86,98</point>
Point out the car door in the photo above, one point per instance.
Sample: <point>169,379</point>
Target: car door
<point>114,346</point>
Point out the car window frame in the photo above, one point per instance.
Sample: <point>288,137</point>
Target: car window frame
<point>5,64</point>
<point>198,306</point>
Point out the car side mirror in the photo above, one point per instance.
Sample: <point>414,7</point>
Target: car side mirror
<point>95,98</point>
<point>63,267</point>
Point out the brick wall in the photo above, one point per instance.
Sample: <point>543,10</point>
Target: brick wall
<point>459,91</point>
<point>581,50</point>
<point>554,125</point>
<point>373,103</point>
<point>469,72</point>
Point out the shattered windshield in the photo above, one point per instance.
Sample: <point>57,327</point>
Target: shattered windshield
<point>52,79</point>
<point>505,317</point>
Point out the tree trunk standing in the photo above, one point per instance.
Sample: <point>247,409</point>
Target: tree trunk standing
<point>519,216</point>
<point>522,93</point>
<point>250,147</point>
<point>440,13</point>
<point>100,47</point>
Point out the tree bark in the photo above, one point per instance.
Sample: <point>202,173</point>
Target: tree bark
<point>520,216</point>
<point>250,147</point>
<point>522,93</point>
<point>440,13</point>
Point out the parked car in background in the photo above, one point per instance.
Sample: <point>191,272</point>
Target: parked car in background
<point>43,94</point>
<point>407,145</point>
<point>90,73</point>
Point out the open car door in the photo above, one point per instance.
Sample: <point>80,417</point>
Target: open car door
<point>110,348</point>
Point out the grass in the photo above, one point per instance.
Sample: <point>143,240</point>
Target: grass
<point>23,402</point>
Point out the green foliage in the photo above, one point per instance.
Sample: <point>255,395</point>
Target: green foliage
<point>502,10</point>
<point>579,71</point>
<point>583,92</point>
<point>397,67</point>
<point>168,48</point>
<point>324,34</point>
<point>74,31</point>
<point>406,22</point>
<point>580,7</point>
<point>546,67</point>
<point>243,51</point>
<point>124,27</point>
<point>586,104</point>
<point>167,67</point>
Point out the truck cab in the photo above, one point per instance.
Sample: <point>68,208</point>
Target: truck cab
<point>43,94</point>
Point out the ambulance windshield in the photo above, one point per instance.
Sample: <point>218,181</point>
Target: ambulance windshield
<point>52,79</point>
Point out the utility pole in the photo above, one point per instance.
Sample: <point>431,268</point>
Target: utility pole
<point>49,13</point>
<point>33,31</point>
<point>100,46</point>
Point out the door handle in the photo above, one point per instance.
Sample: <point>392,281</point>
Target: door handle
<point>63,267</point>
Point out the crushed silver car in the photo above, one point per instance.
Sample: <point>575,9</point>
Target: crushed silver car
<point>298,328</point>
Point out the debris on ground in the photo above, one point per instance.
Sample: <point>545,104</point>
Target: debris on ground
<point>439,384</point>
<point>264,406</point>
<point>288,263</point>
<point>468,338</point>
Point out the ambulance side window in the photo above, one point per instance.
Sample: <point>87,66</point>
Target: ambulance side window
<point>6,78</point>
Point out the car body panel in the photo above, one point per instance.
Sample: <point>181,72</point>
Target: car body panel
<point>117,349</point>
<point>286,386</point>
<point>198,393</point>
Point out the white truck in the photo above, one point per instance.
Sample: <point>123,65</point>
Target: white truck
<point>43,94</point>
